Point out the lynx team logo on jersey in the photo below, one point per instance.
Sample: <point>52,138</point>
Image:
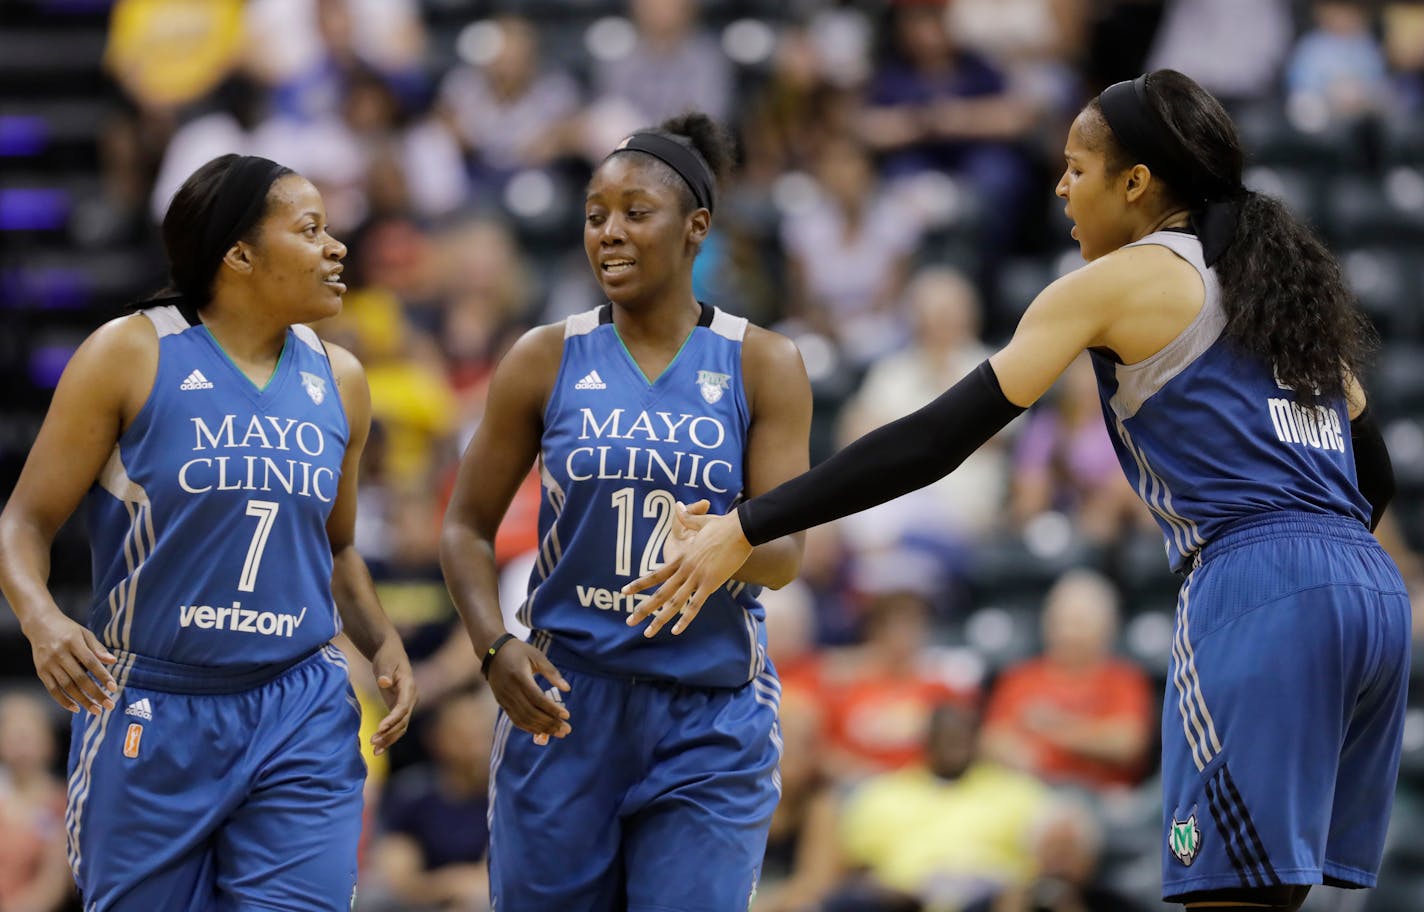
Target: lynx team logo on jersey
<point>1184,838</point>
<point>712,385</point>
<point>315,387</point>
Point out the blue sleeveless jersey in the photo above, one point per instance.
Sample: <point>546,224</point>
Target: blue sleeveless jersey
<point>617,453</point>
<point>1208,437</point>
<point>208,524</point>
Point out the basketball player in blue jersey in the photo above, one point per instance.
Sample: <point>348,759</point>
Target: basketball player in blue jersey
<point>1226,348</point>
<point>651,777</point>
<point>215,440</point>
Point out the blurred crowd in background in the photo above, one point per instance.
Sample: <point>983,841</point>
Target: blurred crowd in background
<point>974,673</point>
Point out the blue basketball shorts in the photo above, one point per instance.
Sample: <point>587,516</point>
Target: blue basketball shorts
<point>196,793</point>
<point>659,800</point>
<point>1284,708</point>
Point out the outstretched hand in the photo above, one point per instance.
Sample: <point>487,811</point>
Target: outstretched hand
<point>702,552</point>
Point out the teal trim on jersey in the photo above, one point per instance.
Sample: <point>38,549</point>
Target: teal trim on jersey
<point>281,358</point>
<point>634,361</point>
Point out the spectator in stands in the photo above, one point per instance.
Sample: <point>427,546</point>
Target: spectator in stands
<point>1065,462</point>
<point>1037,42</point>
<point>936,104</point>
<point>878,697</point>
<point>848,254</point>
<point>308,51</point>
<point>1233,48</point>
<point>793,112</point>
<point>800,863</point>
<point>1075,715</point>
<point>1338,67</point>
<point>944,315</point>
<point>507,109</point>
<point>434,842</point>
<point>1066,845</point>
<point>34,874</point>
<point>945,833</point>
<point>673,67</point>
<point>1404,48</point>
<point>375,155</point>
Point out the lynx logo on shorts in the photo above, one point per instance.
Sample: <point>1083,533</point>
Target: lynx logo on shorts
<point>1184,838</point>
<point>712,385</point>
<point>132,739</point>
<point>315,387</point>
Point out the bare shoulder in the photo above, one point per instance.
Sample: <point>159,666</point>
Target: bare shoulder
<point>541,348</point>
<point>125,338</point>
<point>345,366</point>
<point>1148,275</point>
<point>771,361</point>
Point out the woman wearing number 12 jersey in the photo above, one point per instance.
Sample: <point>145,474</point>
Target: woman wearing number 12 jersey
<point>651,774</point>
<point>217,440</point>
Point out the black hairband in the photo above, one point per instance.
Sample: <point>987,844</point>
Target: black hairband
<point>680,157</point>
<point>239,202</point>
<point>1215,211</point>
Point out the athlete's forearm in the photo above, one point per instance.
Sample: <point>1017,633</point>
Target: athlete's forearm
<point>773,564</point>
<point>24,568</point>
<point>362,617</point>
<point>472,578</point>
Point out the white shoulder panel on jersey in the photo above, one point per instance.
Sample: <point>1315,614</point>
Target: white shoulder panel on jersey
<point>309,336</point>
<point>114,478</point>
<point>728,326</point>
<point>1136,383</point>
<point>581,324</point>
<point>168,320</point>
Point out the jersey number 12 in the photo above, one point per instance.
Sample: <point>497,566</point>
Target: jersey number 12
<point>658,506</point>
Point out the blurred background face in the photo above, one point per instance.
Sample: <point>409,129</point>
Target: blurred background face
<point>898,625</point>
<point>844,172</point>
<point>515,64</point>
<point>952,736</point>
<point>463,732</point>
<point>1079,620</point>
<point>26,737</point>
<point>662,20</point>
<point>945,310</point>
<point>801,738</point>
<point>922,34</point>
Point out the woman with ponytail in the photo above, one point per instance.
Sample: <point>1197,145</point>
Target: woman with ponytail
<point>1227,349</point>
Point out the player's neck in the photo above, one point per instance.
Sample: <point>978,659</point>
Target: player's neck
<point>665,319</point>
<point>246,337</point>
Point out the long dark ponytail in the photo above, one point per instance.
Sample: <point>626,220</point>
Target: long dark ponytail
<point>1285,298</point>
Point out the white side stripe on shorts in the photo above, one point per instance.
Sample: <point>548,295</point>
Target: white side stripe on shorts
<point>1197,723</point>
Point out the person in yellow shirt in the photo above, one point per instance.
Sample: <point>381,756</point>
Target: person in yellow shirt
<point>946,833</point>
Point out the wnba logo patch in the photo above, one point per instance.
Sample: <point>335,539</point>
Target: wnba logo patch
<point>315,387</point>
<point>712,385</point>
<point>1184,838</point>
<point>132,739</point>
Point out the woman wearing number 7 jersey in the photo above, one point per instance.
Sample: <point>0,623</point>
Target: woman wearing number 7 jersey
<point>1226,348</point>
<point>651,774</point>
<point>214,761</point>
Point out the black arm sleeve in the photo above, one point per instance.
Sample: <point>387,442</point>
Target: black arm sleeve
<point>1373,470</point>
<point>900,457</point>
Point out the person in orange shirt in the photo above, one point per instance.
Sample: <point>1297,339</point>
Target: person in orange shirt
<point>878,696</point>
<point>1076,715</point>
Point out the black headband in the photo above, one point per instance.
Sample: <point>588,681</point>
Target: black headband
<point>238,203</point>
<point>680,157</point>
<point>1215,210</point>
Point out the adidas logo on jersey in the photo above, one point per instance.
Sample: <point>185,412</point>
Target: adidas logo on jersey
<point>591,381</point>
<point>196,381</point>
<point>142,709</point>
